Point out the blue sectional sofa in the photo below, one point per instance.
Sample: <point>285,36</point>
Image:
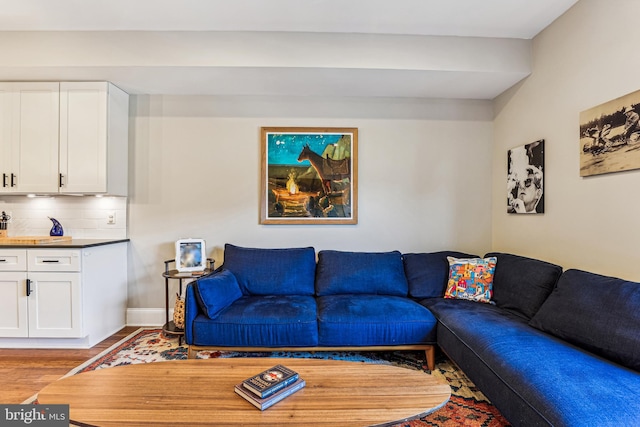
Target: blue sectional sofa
<point>552,348</point>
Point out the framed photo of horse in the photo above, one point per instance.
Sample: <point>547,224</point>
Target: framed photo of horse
<point>309,175</point>
<point>610,136</point>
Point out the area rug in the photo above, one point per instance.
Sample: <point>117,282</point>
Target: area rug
<point>467,406</point>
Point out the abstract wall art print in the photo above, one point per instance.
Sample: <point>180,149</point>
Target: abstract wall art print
<point>525,178</point>
<point>309,175</point>
<point>610,136</point>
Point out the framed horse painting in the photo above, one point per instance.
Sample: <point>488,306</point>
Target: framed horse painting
<point>309,176</point>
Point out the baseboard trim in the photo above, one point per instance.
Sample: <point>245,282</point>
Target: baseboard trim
<point>147,316</point>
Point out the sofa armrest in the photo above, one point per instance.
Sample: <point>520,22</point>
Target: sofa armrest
<point>191,311</point>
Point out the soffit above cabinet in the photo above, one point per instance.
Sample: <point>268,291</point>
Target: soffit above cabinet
<point>411,48</point>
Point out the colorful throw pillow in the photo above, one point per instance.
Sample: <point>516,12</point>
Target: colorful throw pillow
<point>427,273</point>
<point>471,278</point>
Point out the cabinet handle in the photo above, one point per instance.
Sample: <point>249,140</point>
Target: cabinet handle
<point>13,176</point>
<point>28,287</point>
<point>3,260</point>
<point>4,180</point>
<point>61,180</point>
<point>50,260</point>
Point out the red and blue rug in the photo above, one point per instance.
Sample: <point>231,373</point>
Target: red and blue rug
<point>467,406</point>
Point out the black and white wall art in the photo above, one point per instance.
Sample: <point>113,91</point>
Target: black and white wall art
<point>525,178</point>
<point>610,136</point>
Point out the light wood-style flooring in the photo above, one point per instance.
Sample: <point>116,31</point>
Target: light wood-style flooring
<point>24,372</point>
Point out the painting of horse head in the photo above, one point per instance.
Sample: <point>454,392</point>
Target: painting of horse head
<point>320,164</point>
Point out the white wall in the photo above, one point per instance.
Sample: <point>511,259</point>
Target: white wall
<point>424,177</point>
<point>587,57</point>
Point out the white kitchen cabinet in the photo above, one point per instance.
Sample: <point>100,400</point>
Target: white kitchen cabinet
<point>30,133</point>
<point>14,321</point>
<point>44,299</point>
<point>67,138</point>
<point>6,114</point>
<point>55,305</point>
<point>62,297</point>
<point>94,130</point>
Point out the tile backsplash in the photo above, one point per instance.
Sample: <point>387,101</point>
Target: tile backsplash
<point>82,217</point>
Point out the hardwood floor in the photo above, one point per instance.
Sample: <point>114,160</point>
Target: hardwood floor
<point>24,372</point>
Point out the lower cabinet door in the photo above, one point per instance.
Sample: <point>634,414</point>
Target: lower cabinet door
<point>13,304</point>
<point>55,305</point>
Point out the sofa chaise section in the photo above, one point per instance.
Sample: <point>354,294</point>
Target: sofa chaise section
<point>542,378</point>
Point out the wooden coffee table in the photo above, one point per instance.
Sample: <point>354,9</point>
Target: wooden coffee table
<point>200,392</point>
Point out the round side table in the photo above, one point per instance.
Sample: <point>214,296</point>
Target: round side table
<point>170,328</point>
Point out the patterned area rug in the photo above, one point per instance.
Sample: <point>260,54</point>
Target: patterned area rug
<point>467,406</point>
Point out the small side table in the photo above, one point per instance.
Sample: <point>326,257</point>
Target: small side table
<point>170,327</point>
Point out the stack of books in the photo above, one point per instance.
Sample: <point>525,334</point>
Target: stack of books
<point>270,387</point>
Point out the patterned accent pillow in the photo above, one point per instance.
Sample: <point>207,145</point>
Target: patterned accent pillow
<point>471,278</point>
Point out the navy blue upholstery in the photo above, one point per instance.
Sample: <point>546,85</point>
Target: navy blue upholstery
<point>522,284</point>
<point>361,320</point>
<point>533,378</point>
<point>366,302</point>
<point>578,373</point>
<point>598,313</point>
<point>428,273</point>
<point>379,273</point>
<point>260,321</point>
<point>217,291</point>
<point>272,271</point>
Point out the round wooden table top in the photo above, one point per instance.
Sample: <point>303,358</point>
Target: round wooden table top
<point>201,392</point>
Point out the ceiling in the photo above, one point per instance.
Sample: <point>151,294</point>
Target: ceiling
<point>406,48</point>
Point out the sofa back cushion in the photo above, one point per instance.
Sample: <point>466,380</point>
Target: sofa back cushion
<point>217,291</point>
<point>376,273</point>
<point>522,284</point>
<point>427,273</point>
<point>272,271</point>
<point>598,313</point>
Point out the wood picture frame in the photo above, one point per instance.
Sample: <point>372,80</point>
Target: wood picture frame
<point>309,175</point>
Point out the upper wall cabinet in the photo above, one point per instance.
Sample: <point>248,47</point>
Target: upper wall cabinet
<point>29,131</point>
<point>94,130</point>
<point>67,138</point>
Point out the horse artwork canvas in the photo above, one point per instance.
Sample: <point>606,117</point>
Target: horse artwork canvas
<point>309,176</point>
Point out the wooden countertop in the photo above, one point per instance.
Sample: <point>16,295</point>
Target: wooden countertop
<point>71,244</point>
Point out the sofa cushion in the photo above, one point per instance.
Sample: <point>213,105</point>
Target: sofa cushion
<point>597,313</point>
<point>365,320</point>
<point>379,273</point>
<point>260,321</point>
<point>533,378</point>
<point>217,291</point>
<point>427,273</point>
<point>471,278</point>
<point>272,271</point>
<point>522,284</point>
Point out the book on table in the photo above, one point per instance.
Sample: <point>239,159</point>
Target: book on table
<point>270,381</point>
<point>276,397</point>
